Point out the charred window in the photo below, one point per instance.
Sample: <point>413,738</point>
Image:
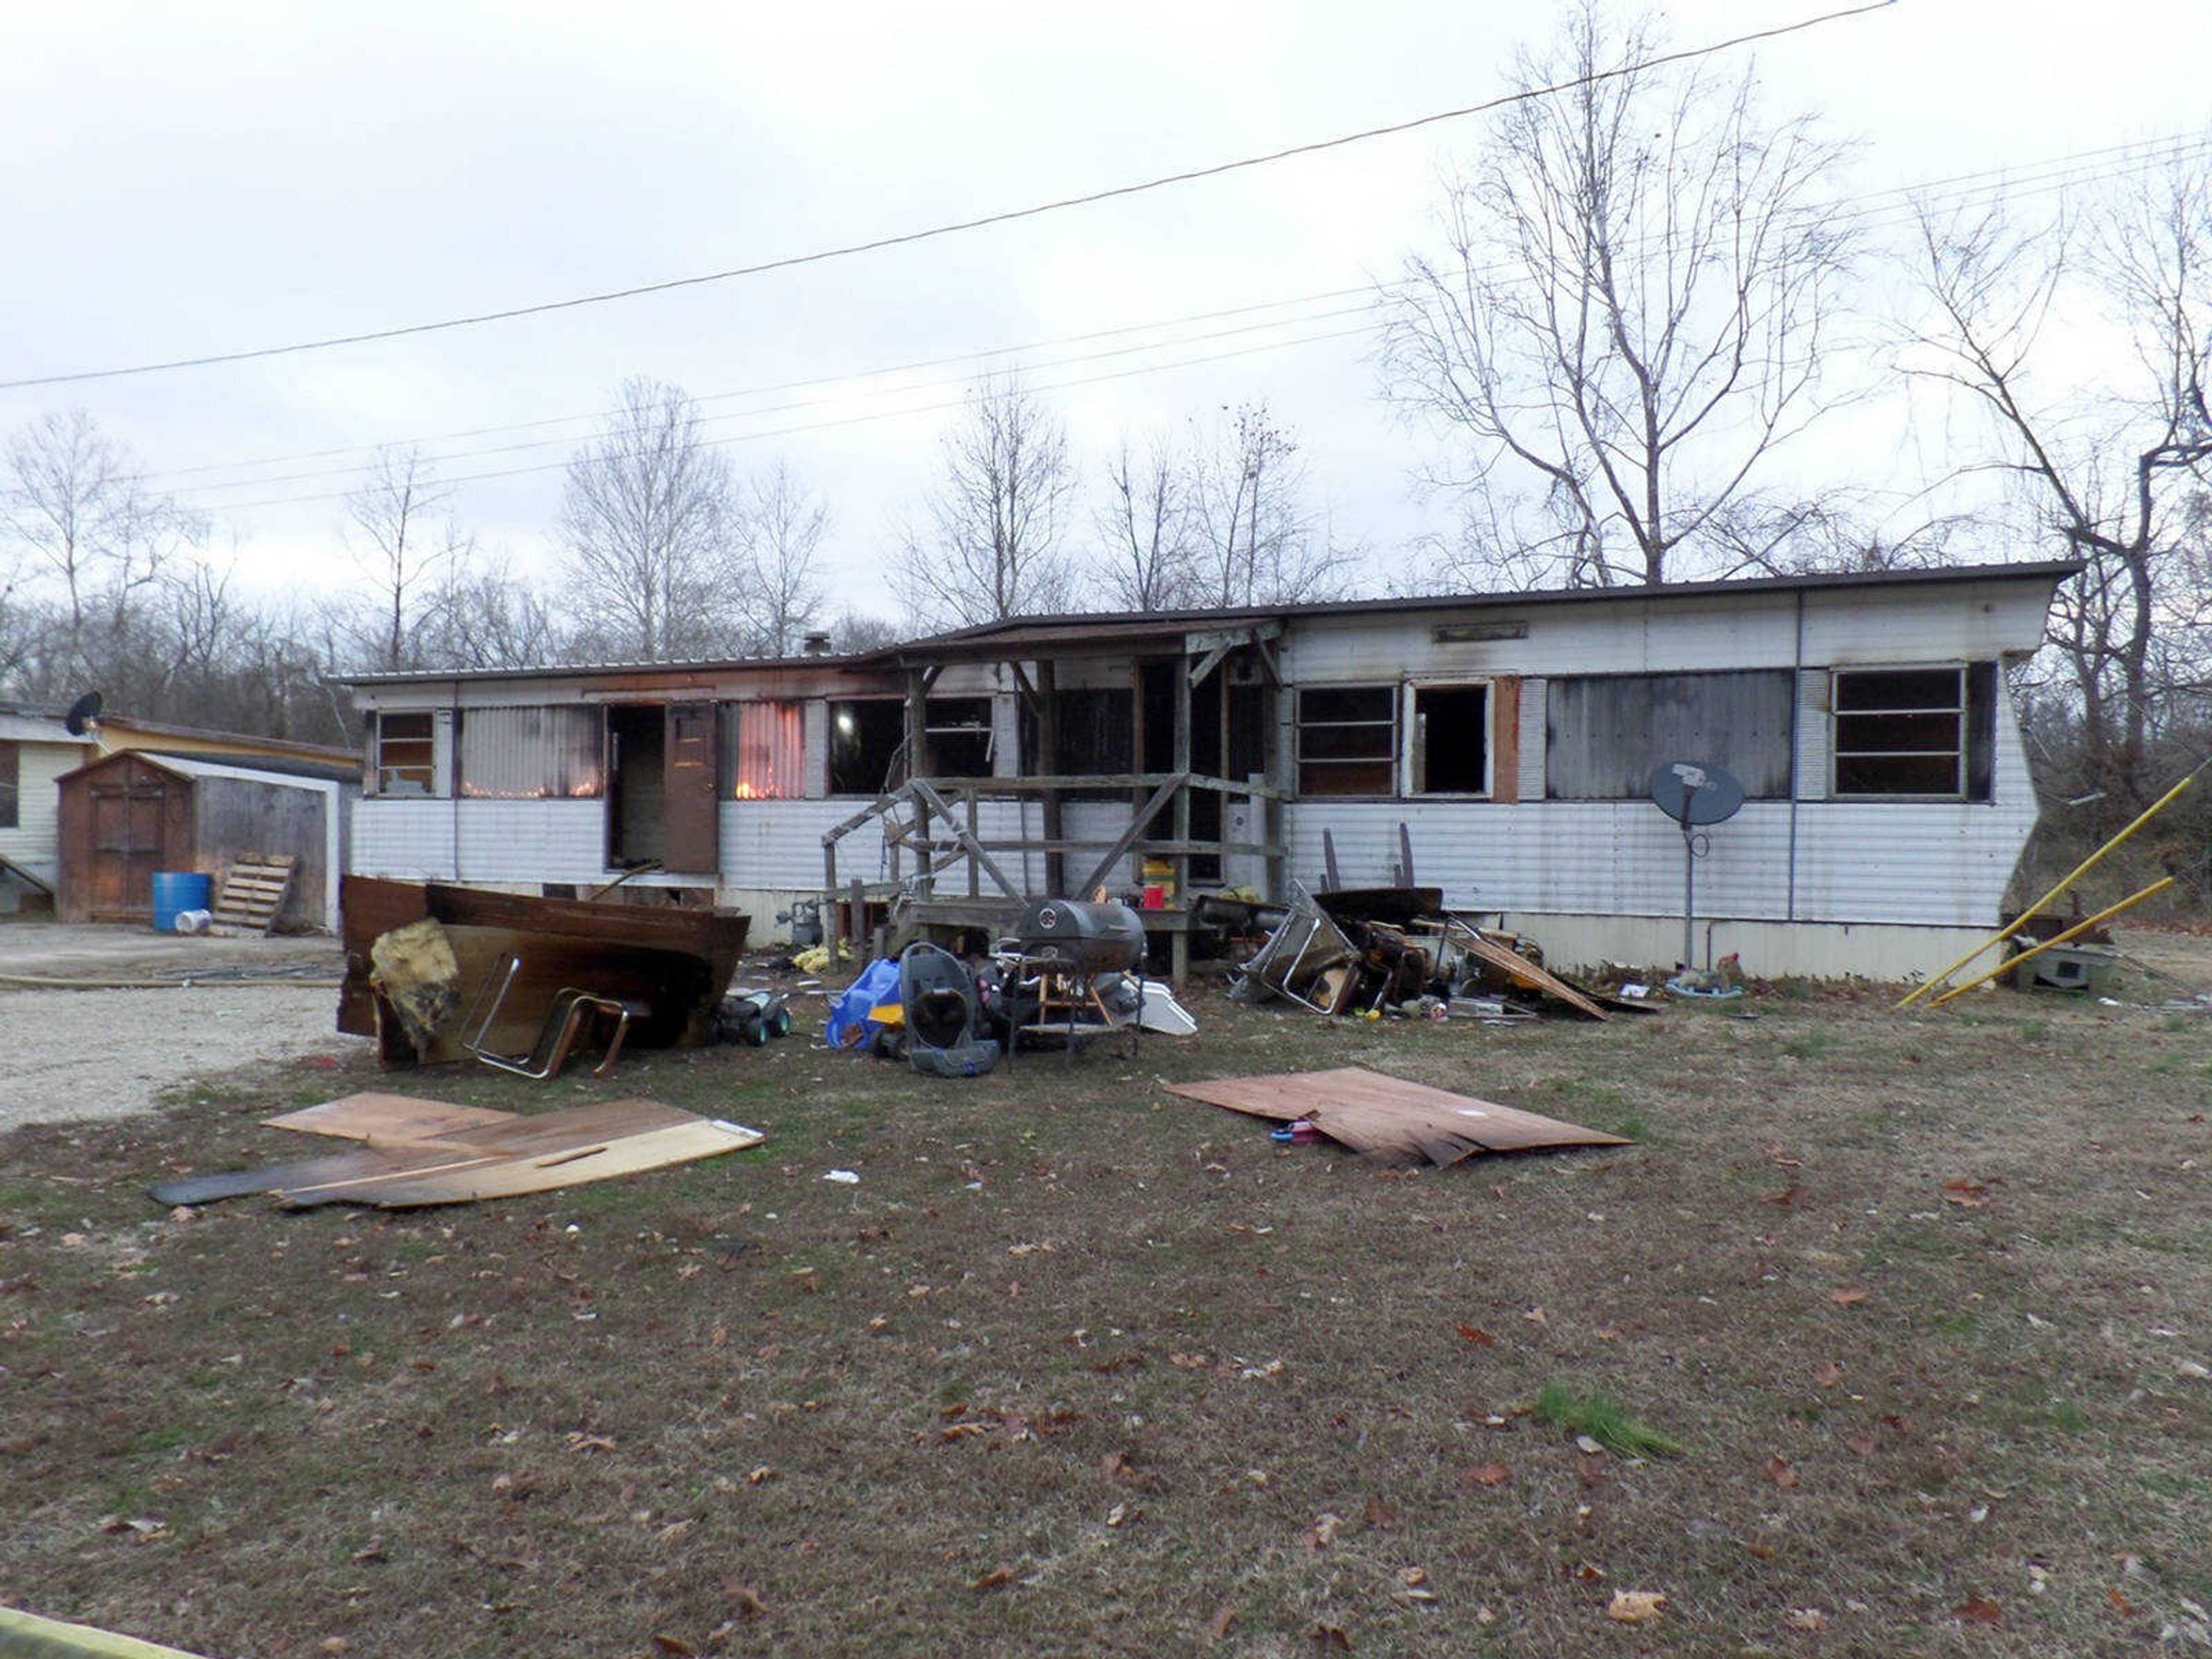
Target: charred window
<point>1347,739</point>
<point>1924,732</point>
<point>957,731</point>
<point>1098,735</point>
<point>405,756</point>
<point>553,753</point>
<point>767,755</point>
<point>864,736</point>
<point>1447,740</point>
<point>1603,734</point>
<point>11,795</point>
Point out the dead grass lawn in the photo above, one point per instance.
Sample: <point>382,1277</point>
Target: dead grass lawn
<point>1082,1368</point>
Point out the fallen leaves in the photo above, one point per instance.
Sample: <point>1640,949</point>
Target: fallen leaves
<point>1848,1295</point>
<point>1636,1606</point>
<point>1969,1194</point>
<point>1489,1474</point>
<point>1805,1618</point>
<point>1380,1515</point>
<point>1978,1610</point>
<point>1224,1621</point>
<point>993,1579</point>
<point>1788,1196</point>
<point>1829,1374</point>
<point>1477,1335</point>
<point>1778,1470</point>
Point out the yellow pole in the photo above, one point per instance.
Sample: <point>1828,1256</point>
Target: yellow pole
<point>2075,875</point>
<point>2157,886</point>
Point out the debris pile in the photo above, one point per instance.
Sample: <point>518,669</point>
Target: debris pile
<point>1397,950</point>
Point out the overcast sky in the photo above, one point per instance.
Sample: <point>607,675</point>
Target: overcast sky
<point>190,180</point>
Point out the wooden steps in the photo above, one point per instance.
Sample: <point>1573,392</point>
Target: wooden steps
<point>253,891</point>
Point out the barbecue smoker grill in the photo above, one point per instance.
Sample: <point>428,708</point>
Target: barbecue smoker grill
<point>1079,939</point>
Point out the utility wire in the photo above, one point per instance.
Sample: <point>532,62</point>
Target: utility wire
<point>1005,216</point>
<point>1873,210</point>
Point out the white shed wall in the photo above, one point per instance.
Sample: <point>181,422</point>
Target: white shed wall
<point>34,842</point>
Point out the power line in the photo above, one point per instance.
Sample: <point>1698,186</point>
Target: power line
<point>1005,216</point>
<point>851,420</point>
<point>1876,210</point>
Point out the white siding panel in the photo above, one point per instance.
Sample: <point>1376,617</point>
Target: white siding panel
<point>778,843</point>
<point>33,841</point>
<point>403,840</point>
<point>1924,623</point>
<point>533,841</point>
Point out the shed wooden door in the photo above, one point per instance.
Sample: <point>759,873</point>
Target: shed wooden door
<point>130,821</point>
<point>690,807</point>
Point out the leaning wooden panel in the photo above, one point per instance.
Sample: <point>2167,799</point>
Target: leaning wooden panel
<point>1390,1117</point>
<point>516,1177</point>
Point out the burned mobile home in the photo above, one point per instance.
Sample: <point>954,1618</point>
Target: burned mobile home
<point>1511,736</point>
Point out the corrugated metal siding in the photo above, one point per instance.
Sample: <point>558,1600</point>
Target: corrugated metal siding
<point>403,840</point>
<point>1928,864</point>
<point>533,841</point>
<point>778,843</point>
<point>555,751</point>
<point>1605,733</point>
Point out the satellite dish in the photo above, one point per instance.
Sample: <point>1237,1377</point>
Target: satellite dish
<point>82,713</point>
<point>1696,792</point>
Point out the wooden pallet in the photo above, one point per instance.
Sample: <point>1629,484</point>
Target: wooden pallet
<point>255,889</point>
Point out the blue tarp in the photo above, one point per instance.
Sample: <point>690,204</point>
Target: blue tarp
<point>850,1026</point>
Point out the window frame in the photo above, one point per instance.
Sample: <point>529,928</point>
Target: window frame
<point>428,740</point>
<point>1410,737</point>
<point>829,756</point>
<point>1389,758</point>
<point>1962,752</point>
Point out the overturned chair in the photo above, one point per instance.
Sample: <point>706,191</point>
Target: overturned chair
<point>938,994</point>
<point>566,1016</point>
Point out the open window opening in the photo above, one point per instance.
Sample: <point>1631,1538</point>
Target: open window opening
<point>958,732</point>
<point>1447,740</point>
<point>864,736</point>
<point>1924,732</point>
<point>406,763</point>
<point>1347,739</point>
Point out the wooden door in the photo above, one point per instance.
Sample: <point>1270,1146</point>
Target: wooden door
<point>690,802</point>
<point>129,820</point>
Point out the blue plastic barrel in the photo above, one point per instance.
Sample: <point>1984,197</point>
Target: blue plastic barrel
<point>175,890</point>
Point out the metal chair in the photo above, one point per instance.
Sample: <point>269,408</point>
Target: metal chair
<point>565,1018</point>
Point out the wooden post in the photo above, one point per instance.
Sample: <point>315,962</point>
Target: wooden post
<point>1268,810</point>
<point>862,939</point>
<point>917,766</point>
<point>1179,946</point>
<point>1047,685</point>
<point>833,933</point>
<point>1137,762</point>
<point>974,874</point>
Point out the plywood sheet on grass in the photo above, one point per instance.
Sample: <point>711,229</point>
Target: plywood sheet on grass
<point>1388,1117</point>
<point>420,1151</point>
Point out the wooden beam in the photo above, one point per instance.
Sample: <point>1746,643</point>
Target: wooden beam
<point>1150,811</point>
<point>969,844</point>
<point>1212,660</point>
<point>1048,689</point>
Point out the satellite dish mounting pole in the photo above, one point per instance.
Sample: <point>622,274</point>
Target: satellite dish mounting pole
<point>1689,897</point>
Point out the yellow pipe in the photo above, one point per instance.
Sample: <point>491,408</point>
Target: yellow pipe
<point>2009,962</point>
<point>2072,876</point>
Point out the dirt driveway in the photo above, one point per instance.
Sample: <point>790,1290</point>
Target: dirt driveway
<point>77,1054</point>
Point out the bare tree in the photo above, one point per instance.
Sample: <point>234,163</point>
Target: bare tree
<point>992,546</point>
<point>1253,539</point>
<point>407,551</point>
<point>489,617</point>
<point>88,531</point>
<point>781,525</point>
<point>645,520</point>
<point>1630,306</point>
<point>1143,530</point>
<point>2115,473</point>
<point>855,631</point>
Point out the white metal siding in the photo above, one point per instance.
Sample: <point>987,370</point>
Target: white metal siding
<point>34,842</point>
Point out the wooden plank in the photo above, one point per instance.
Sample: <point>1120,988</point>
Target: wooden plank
<point>650,1149</point>
<point>1391,1118</point>
<point>373,1116</point>
<point>1520,970</point>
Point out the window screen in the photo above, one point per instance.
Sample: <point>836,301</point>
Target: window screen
<point>404,762</point>
<point>767,757</point>
<point>1603,734</point>
<point>1450,742</point>
<point>1347,739</point>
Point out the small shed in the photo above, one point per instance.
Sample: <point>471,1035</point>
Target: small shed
<point>131,814</point>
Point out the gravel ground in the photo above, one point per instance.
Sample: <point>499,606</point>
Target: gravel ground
<point>108,1053</point>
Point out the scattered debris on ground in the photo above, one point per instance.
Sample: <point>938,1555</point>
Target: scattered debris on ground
<point>1390,1119</point>
<point>418,1152</point>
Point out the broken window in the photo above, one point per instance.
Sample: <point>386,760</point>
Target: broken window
<point>405,756</point>
<point>1447,740</point>
<point>958,734</point>
<point>767,757</point>
<point>1347,739</point>
<point>553,753</point>
<point>1603,734</point>
<point>865,737</point>
<point>1922,732</point>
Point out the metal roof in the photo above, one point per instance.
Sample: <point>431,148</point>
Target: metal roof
<point>1089,627</point>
